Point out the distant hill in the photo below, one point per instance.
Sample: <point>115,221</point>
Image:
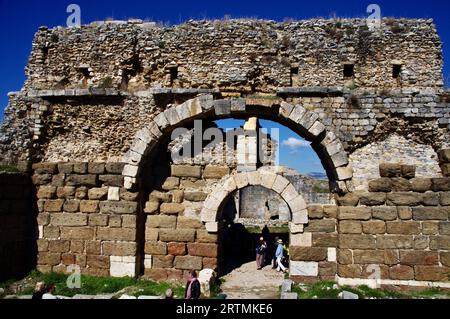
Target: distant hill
<point>317,175</point>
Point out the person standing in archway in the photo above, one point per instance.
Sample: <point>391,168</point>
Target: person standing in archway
<point>279,256</point>
<point>261,253</point>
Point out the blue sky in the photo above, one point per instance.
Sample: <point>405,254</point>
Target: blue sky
<point>19,20</point>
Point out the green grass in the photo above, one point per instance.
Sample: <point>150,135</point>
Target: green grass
<point>8,168</point>
<point>325,290</point>
<point>91,285</point>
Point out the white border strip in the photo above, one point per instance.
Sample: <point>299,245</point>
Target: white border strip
<point>375,283</point>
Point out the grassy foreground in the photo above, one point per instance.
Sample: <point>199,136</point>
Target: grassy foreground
<point>91,285</point>
<point>330,290</point>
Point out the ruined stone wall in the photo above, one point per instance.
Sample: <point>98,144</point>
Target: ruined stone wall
<point>18,229</point>
<point>236,55</point>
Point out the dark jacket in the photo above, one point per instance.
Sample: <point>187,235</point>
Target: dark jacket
<point>38,295</point>
<point>195,289</point>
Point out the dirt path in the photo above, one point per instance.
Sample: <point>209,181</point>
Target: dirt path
<point>245,282</point>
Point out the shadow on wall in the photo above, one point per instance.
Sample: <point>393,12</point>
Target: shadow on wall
<point>19,228</point>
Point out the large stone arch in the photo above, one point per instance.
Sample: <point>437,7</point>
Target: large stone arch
<point>304,122</point>
<point>262,177</point>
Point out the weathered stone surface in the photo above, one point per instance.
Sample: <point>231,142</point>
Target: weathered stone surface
<point>372,199</point>
<point>77,233</point>
<point>151,207</point>
<point>53,205</point>
<point>315,211</point>
<point>444,228</point>
<point>177,195</point>
<point>344,256</point>
<point>176,249</point>
<point>171,183</point>
<point>307,253</point>
<point>186,171</point>
<point>384,213</point>
<point>326,226</point>
<point>415,257</point>
<point>404,212</point>
<point>380,185</point>
<point>160,197</point>
<point>65,192</point>
<point>45,168</point>
<point>403,227</point>
<point>368,256</point>
<point>178,235</point>
<point>204,237</point>
<point>58,246</point>
<point>68,219</point>
<point>118,207</point>
<point>350,227</point>
<point>390,170</point>
<point>440,184</point>
<point>202,249</point>
<point>374,227</point>
<point>215,172</point>
<point>186,222</point>
<point>430,199</point>
<point>304,268</point>
<point>431,273</point>
<point>301,240</point>
<point>195,196</point>
<point>400,184</point>
<point>349,199</point>
<point>96,168</point>
<point>408,171</point>
<point>155,248</point>
<point>420,184</point>
<point>394,242</point>
<point>98,193</point>
<point>89,206</point>
<point>81,180</point>
<point>444,257</point>
<point>111,180</point>
<point>188,262</point>
<point>161,261</point>
<point>357,241</point>
<point>404,199</point>
<point>118,248</point>
<point>355,213</point>
<point>171,208</point>
<point>441,242</point>
<point>430,213</point>
<point>46,192</point>
<point>161,221</point>
<point>445,198</point>
<point>122,234</point>
<point>401,272</point>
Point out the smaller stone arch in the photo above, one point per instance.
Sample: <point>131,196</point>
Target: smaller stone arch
<point>261,177</point>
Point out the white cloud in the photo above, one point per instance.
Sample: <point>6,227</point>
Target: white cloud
<point>295,143</point>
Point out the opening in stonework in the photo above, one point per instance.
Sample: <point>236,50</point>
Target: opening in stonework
<point>396,69</point>
<point>349,70</point>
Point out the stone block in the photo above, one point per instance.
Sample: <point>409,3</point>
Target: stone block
<point>350,227</point>
<point>444,155</point>
<point>121,268</point>
<point>349,199</point>
<point>151,207</point>
<point>315,211</point>
<point>215,172</point>
<point>89,206</point>
<point>420,184</point>
<point>120,234</point>
<point>160,197</point>
<point>401,272</point>
<point>344,256</point>
<point>171,183</point>
<point>98,193</point>
<point>408,171</point>
<point>202,249</point>
<point>344,172</point>
<point>395,241</point>
<point>295,228</point>
<point>301,217</point>
<point>112,180</point>
<point>85,233</point>
<point>430,213</point>
<point>404,199</point>
<point>384,213</point>
<point>111,248</point>
<point>65,168</point>
<point>114,168</point>
<point>161,221</point>
<point>68,219</point>
<point>304,268</point>
<point>403,227</point>
<point>445,198</point>
<point>113,194</point>
<point>326,226</point>
<point>176,249</point>
<point>354,213</point>
<point>58,246</point>
<point>431,273</point>
<point>195,196</point>
<point>155,248</point>
<point>280,184</point>
<point>54,205</point>
<point>241,180</point>
<point>96,168</point>
<point>171,208</point>
<point>374,227</point>
<point>357,241</point>
<point>151,234</point>
<point>404,212</point>
<point>178,235</point>
<point>390,170</point>
<point>372,199</point>
<point>307,253</point>
<point>81,180</point>
<point>415,257</point>
<point>65,192</point>
<point>368,256</point>
<point>430,199</point>
<point>400,184</point>
<point>440,184</point>
<point>301,240</point>
<point>203,236</point>
<point>118,207</point>
<point>46,192</point>
<point>50,259</point>
<point>45,168</point>
<point>186,171</point>
<point>380,185</point>
<point>188,262</point>
<point>186,222</point>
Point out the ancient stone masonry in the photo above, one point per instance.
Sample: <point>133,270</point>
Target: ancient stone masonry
<point>93,123</point>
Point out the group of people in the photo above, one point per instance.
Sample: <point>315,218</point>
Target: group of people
<point>43,291</point>
<point>279,258</point>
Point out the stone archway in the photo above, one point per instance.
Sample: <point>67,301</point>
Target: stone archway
<point>261,177</point>
<point>304,122</point>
